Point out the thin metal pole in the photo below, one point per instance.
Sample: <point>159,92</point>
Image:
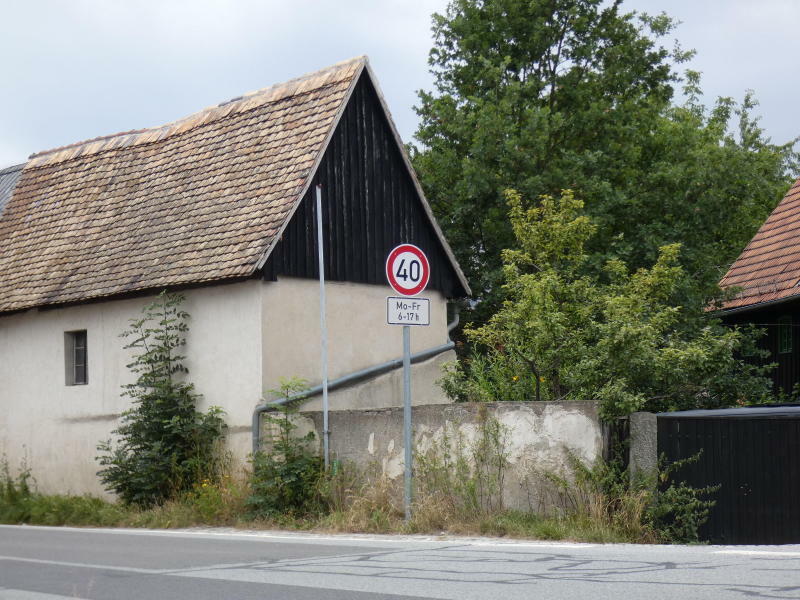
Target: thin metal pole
<point>324,332</point>
<point>407,418</point>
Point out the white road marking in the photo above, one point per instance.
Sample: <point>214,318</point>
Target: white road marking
<point>760,553</point>
<point>61,563</point>
<point>320,537</point>
<point>175,571</point>
<point>9,594</point>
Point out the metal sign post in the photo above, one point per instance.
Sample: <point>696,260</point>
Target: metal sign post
<point>408,272</point>
<point>323,326</point>
<point>409,456</point>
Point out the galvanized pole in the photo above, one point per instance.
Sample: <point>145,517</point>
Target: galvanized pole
<point>407,419</point>
<point>324,332</point>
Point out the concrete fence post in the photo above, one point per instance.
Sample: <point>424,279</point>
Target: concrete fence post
<point>643,459</point>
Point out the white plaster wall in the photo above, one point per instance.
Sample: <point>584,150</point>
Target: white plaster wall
<point>56,427</point>
<point>242,338</point>
<point>358,337</point>
<point>225,362</point>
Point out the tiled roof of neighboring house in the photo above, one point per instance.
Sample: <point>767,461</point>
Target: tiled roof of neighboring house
<point>201,199</point>
<point>769,267</point>
<point>8,181</point>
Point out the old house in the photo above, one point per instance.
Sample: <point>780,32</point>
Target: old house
<point>768,275</point>
<point>220,206</point>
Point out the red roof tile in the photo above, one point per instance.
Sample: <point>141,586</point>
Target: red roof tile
<point>769,267</point>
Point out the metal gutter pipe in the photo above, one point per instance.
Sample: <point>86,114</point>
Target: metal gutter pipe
<point>754,307</point>
<point>349,379</point>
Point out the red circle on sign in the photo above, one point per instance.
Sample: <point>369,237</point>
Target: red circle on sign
<point>408,270</point>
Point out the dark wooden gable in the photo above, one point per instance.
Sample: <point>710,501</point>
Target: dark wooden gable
<point>369,205</point>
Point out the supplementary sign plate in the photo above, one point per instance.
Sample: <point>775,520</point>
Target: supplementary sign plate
<point>408,311</point>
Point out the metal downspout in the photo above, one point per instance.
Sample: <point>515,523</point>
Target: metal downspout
<point>349,379</point>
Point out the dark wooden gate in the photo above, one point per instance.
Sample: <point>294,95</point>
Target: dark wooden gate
<point>754,454</point>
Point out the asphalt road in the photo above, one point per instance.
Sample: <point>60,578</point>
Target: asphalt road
<point>44,563</point>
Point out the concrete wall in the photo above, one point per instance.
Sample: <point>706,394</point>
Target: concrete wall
<point>56,427</point>
<point>538,437</point>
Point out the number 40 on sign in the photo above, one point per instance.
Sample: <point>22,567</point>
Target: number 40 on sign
<point>408,272</point>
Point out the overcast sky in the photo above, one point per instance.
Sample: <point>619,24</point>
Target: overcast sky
<point>76,69</point>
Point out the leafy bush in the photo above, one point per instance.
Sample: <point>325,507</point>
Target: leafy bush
<point>652,508</point>
<point>486,378</point>
<point>286,478</point>
<point>564,333</point>
<point>165,446</point>
<point>679,510</point>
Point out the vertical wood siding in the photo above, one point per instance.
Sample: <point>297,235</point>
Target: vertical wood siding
<point>370,205</point>
<point>755,461</point>
<point>787,372</point>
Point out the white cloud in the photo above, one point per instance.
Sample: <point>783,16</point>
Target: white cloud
<point>84,68</point>
<point>743,45</point>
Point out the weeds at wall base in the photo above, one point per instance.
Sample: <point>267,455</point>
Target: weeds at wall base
<point>365,514</point>
<point>358,505</point>
<point>459,492</point>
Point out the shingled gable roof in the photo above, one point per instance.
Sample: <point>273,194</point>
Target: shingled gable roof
<point>202,199</point>
<point>768,270</point>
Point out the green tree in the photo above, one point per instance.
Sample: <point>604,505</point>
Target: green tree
<point>568,334</point>
<point>164,445</point>
<point>546,95</point>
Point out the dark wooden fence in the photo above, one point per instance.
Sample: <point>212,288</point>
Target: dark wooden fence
<point>754,455</point>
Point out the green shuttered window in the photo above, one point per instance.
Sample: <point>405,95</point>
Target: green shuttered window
<point>785,334</point>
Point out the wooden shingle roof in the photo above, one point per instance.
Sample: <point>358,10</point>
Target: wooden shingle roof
<point>768,269</point>
<point>198,200</point>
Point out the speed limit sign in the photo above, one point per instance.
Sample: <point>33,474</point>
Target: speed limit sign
<point>408,270</point>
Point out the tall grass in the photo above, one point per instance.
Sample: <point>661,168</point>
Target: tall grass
<point>458,491</point>
<point>21,503</point>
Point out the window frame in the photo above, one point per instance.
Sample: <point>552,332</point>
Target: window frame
<point>76,357</point>
<point>785,335</point>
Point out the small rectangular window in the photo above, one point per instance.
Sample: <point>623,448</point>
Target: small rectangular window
<point>785,334</point>
<point>76,357</point>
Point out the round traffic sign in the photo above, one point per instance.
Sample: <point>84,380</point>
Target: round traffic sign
<point>407,270</point>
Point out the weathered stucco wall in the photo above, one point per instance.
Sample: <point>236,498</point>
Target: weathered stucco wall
<point>386,390</point>
<point>242,338</point>
<point>56,427</point>
<point>358,335</point>
<point>537,436</point>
